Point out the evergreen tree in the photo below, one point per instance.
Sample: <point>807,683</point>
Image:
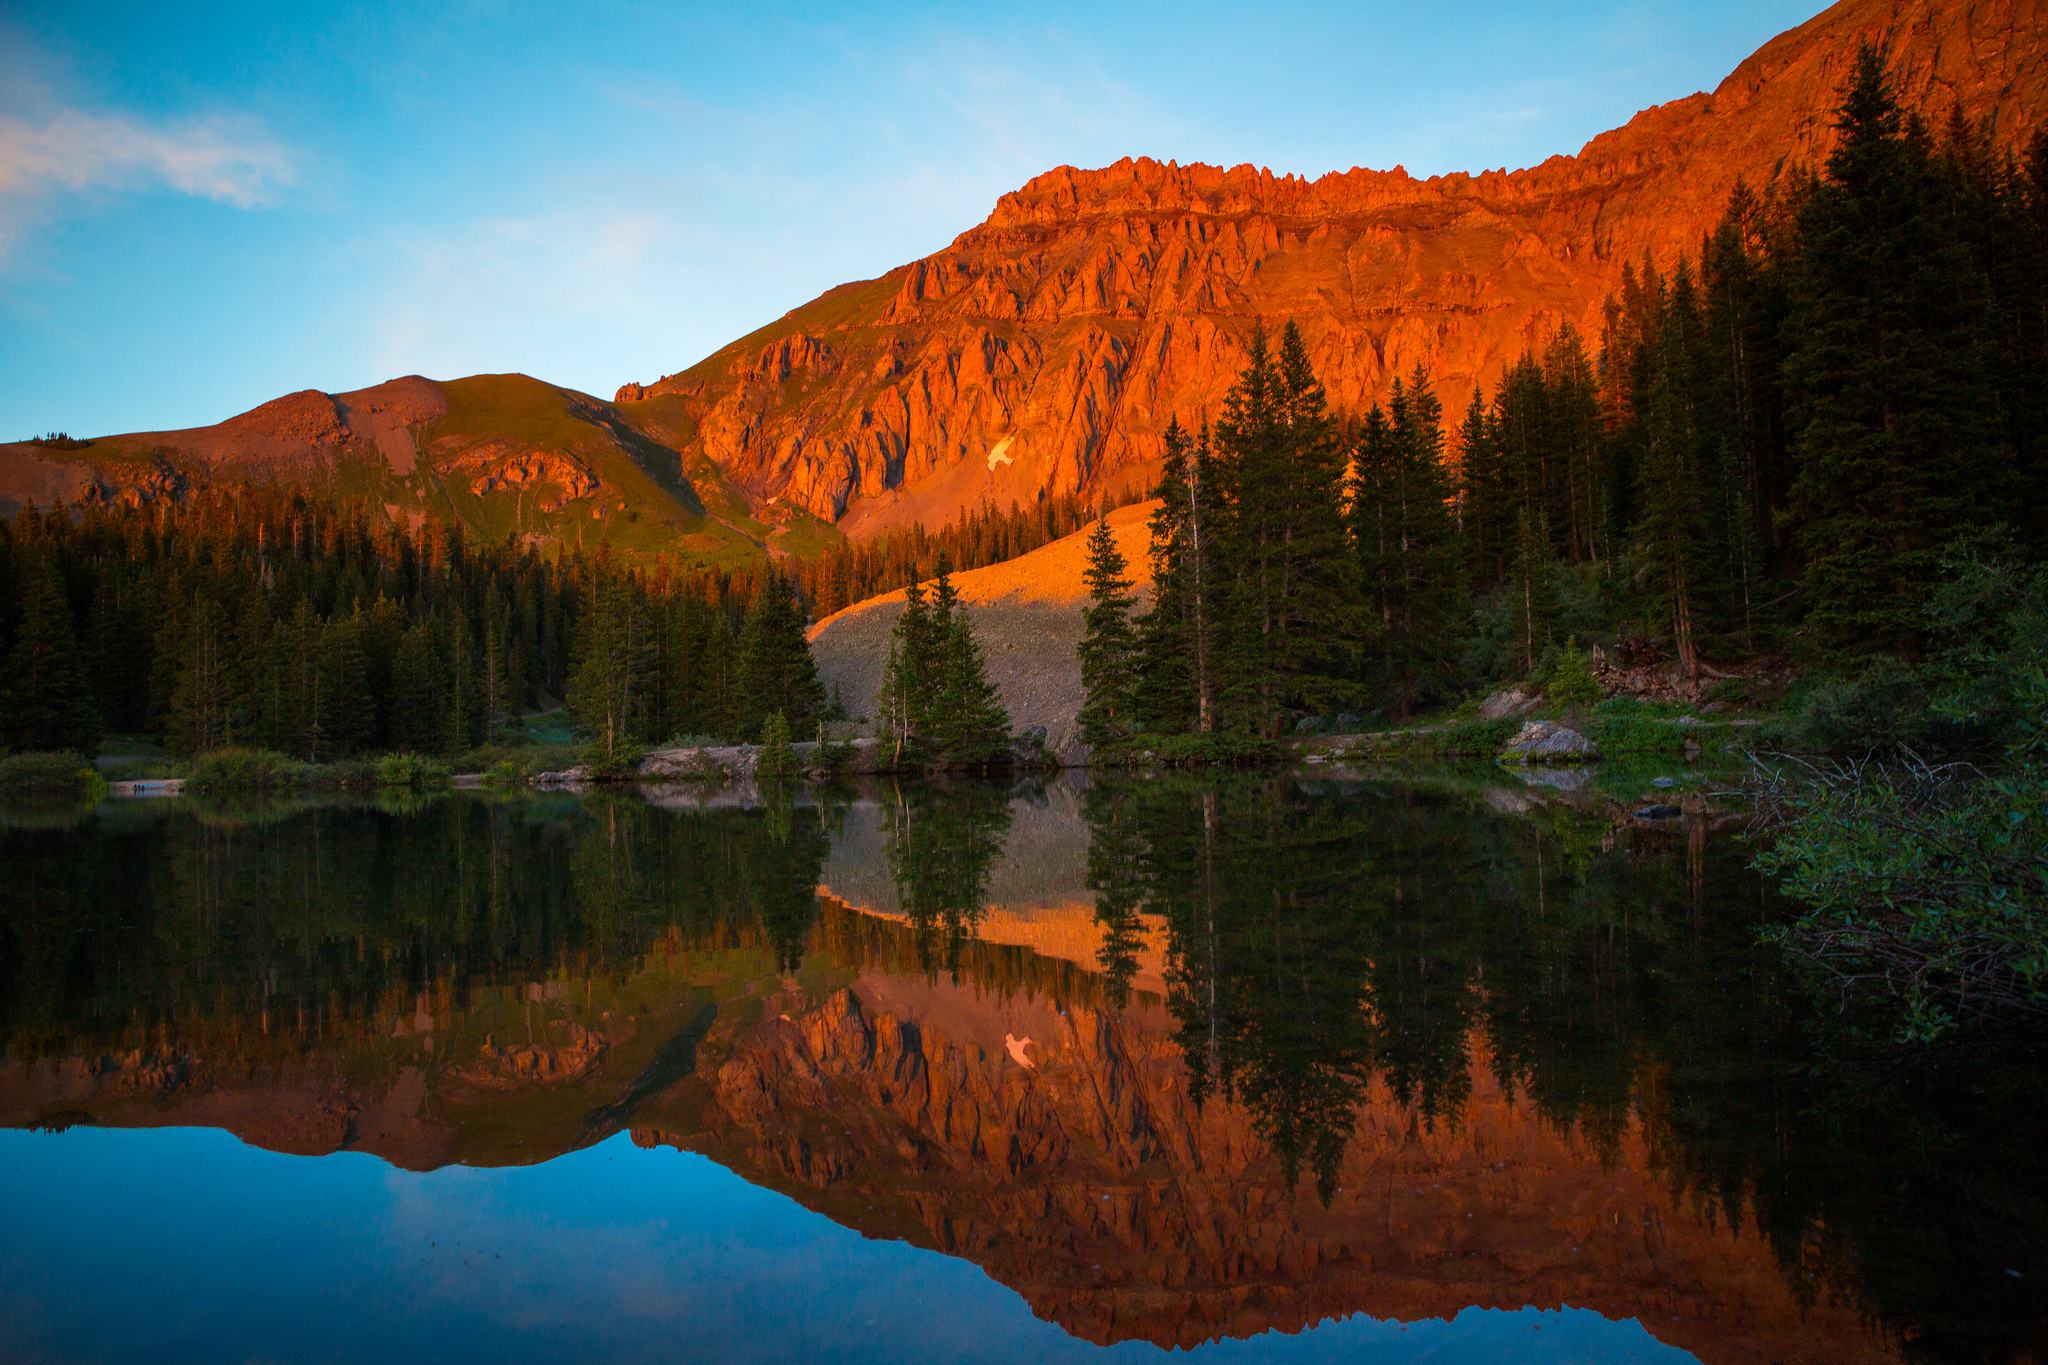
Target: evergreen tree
<point>1407,546</point>
<point>970,728</point>
<point>203,701</point>
<point>776,671</point>
<point>1281,468</point>
<point>1109,646</point>
<point>937,704</point>
<point>49,705</point>
<point>613,661</point>
<point>1888,375</point>
<point>1177,638</point>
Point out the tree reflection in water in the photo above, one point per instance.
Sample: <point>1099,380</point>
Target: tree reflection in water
<point>1321,937</point>
<point>1326,945</point>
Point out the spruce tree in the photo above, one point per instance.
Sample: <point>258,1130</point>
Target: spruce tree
<point>49,705</point>
<point>1888,376</point>
<point>776,671</point>
<point>970,727</point>
<point>1177,638</point>
<point>614,656</point>
<point>1109,645</point>
<point>1406,541</point>
<point>1291,616</point>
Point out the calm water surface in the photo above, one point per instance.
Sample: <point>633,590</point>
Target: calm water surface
<point>1260,1069</point>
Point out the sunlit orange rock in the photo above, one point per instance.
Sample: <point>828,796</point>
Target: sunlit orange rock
<point>1047,348</point>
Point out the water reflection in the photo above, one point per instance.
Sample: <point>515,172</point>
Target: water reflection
<point>1175,1060</point>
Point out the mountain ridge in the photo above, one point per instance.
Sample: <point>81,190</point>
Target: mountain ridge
<point>1044,350</point>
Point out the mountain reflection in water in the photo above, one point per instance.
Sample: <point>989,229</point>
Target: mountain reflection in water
<point>1297,1052</point>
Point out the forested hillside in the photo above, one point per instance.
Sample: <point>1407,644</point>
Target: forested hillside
<point>321,628</point>
<point>1780,448</point>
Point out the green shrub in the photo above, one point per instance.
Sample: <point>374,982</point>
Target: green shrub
<point>143,770</point>
<point>1459,739</point>
<point>621,765</point>
<point>1188,751</point>
<point>410,770</point>
<point>776,761</point>
<point>63,775</point>
<point>1572,684</point>
<point>245,770</point>
<point>1885,707</point>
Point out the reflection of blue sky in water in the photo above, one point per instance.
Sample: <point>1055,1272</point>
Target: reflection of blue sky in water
<point>184,1244</point>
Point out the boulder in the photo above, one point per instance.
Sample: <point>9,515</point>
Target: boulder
<point>1542,741</point>
<point>1513,702</point>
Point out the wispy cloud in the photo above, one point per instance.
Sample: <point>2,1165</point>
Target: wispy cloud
<point>72,150</point>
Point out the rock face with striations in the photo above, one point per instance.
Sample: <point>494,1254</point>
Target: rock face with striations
<point>1047,348</point>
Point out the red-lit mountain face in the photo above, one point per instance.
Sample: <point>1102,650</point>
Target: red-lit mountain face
<point>1047,348</point>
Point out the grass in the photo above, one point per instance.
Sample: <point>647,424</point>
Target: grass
<point>1188,751</point>
<point>263,771</point>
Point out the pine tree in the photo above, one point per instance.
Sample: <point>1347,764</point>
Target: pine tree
<point>614,656</point>
<point>1291,617</point>
<point>1888,375</point>
<point>49,705</point>
<point>1109,646</point>
<point>969,725</point>
<point>1406,542</point>
<point>776,671</point>
<point>1177,638</point>
<point>202,702</point>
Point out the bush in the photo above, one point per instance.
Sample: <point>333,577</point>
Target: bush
<point>245,770</point>
<point>1884,707</point>
<point>410,770</point>
<point>777,762</point>
<point>621,765</point>
<point>1187,751</point>
<point>1572,684</point>
<point>1459,739</point>
<point>1927,885</point>
<point>64,775</point>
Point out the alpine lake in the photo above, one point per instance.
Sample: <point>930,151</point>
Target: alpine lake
<point>1422,1067</point>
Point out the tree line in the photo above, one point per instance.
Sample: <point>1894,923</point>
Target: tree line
<point>323,627</point>
<point>1777,447</point>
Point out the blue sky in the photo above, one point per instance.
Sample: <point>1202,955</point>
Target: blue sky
<point>202,208</point>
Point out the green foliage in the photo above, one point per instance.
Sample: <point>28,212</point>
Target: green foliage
<point>1572,684</point>
<point>1109,645</point>
<point>50,775</point>
<point>777,762</point>
<point>411,770</point>
<point>937,705</point>
<point>1178,639</point>
<point>245,770</point>
<point>1889,373</point>
<point>1453,739</point>
<point>1190,750</point>
<point>776,671</point>
<point>46,702</point>
<point>1406,542</point>
<point>1926,889</point>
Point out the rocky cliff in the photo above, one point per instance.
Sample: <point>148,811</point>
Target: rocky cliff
<point>1048,347</point>
<point>1058,1147</point>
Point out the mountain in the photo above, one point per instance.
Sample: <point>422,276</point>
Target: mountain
<point>1047,348</point>
<point>501,453</point>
